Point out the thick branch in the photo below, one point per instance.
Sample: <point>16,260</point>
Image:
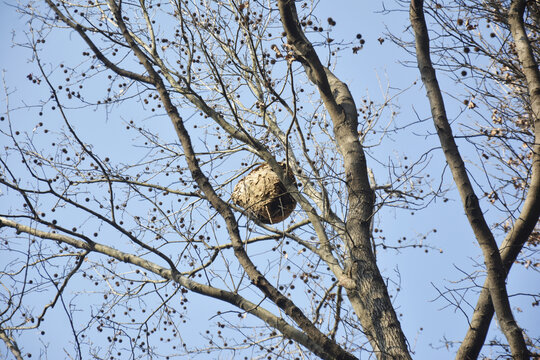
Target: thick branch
<point>229,297</point>
<point>331,349</point>
<point>528,218</point>
<point>365,287</point>
<point>11,344</point>
<point>80,30</point>
<point>492,258</point>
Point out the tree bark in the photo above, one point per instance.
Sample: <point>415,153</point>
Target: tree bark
<point>366,290</point>
<point>256,310</point>
<point>528,218</point>
<point>495,269</point>
<point>331,350</point>
<point>11,344</point>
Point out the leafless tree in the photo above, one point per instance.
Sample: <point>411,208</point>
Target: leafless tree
<point>125,232</point>
<point>515,118</point>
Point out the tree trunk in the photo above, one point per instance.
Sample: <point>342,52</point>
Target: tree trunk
<point>528,218</point>
<point>492,258</point>
<point>366,288</point>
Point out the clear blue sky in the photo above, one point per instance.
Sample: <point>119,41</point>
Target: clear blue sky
<point>370,72</point>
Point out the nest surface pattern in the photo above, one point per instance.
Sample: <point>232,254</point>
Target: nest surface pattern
<point>264,196</point>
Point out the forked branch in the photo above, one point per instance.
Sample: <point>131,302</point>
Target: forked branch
<point>495,269</point>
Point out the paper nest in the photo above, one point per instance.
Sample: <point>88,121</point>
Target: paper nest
<point>264,196</point>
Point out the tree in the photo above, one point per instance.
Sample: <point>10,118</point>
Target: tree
<point>244,88</point>
<point>524,84</point>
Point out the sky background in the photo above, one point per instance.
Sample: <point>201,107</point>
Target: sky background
<point>373,71</point>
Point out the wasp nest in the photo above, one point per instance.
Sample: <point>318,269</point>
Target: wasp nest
<point>264,196</point>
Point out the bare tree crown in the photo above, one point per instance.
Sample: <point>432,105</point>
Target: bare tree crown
<point>189,153</point>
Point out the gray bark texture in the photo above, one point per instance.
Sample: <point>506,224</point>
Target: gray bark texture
<point>528,218</point>
<point>366,290</point>
<point>319,343</point>
<point>495,269</point>
<point>269,195</point>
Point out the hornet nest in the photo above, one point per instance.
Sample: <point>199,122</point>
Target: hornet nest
<point>264,196</point>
